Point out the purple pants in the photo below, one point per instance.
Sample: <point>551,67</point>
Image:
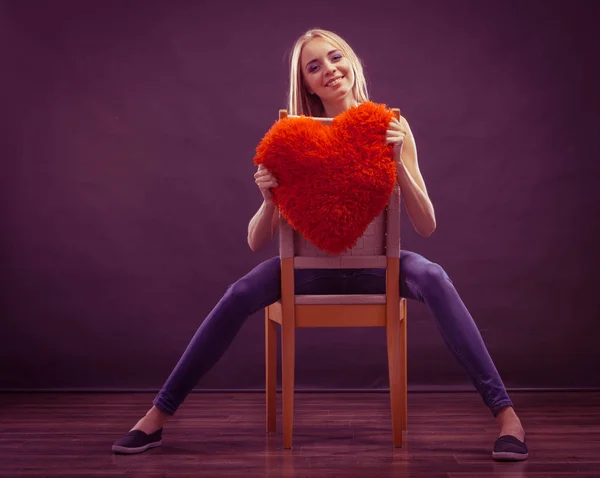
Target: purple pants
<point>421,279</point>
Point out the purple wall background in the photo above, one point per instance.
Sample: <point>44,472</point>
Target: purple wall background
<point>128,132</point>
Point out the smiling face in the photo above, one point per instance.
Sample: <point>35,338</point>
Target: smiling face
<point>326,71</point>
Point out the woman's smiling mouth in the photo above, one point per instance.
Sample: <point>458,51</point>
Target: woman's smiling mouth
<point>334,81</point>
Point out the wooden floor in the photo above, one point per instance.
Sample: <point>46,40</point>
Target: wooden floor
<point>450,435</point>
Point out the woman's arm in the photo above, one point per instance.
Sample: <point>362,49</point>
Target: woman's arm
<point>414,192</point>
<point>263,225</point>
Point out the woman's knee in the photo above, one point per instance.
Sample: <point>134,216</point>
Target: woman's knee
<point>433,275</point>
<point>241,290</point>
<point>426,276</point>
<point>262,284</point>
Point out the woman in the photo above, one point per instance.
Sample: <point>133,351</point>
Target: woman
<point>326,79</point>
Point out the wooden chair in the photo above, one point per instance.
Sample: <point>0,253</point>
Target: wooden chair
<point>378,248</point>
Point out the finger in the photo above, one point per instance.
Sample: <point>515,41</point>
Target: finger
<point>263,170</point>
<point>396,142</point>
<point>263,173</point>
<point>395,138</point>
<point>262,182</point>
<point>395,133</point>
<point>268,177</point>
<point>269,185</point>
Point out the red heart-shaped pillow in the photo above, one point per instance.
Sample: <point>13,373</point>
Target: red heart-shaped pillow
<point>333,180</point>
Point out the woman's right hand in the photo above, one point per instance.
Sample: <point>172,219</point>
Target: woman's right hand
<point>265,181</point>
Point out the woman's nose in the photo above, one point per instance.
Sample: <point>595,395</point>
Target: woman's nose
<point>330,67</point>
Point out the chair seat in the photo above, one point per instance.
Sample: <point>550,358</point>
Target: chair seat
<point>334,314</point>
<point>340,299</point>
<point>341,262</point>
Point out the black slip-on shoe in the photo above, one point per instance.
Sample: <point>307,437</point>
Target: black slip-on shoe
<point>510,448</point>
<point>136,441</point>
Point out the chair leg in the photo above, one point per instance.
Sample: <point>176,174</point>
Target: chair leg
<point>404,366</point>
<point>287,379</point>
<point>395,373</point>
<point>271,371</point>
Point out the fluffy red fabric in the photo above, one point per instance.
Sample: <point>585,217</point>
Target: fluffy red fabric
<point>333,180</point>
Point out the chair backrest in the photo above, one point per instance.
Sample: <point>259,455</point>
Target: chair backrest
<point>380,240</point>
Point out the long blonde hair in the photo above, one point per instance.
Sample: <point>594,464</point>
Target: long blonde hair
<point>300,102</point>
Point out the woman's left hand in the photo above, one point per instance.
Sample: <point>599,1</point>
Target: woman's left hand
<point>395,135</point>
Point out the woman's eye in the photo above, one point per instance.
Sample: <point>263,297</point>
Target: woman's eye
<point>336,57</point>
<point>312,68</point>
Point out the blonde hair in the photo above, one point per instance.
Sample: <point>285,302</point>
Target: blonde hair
<point>300,102</point>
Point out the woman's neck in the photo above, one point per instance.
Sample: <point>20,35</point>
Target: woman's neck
<point>332,109</point>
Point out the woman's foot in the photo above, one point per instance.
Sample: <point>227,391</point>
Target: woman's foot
<point>510,446</point>
<point>152,421</point>
<point>136,441</point>
<point>146,434</point>
<point>510,424</point>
